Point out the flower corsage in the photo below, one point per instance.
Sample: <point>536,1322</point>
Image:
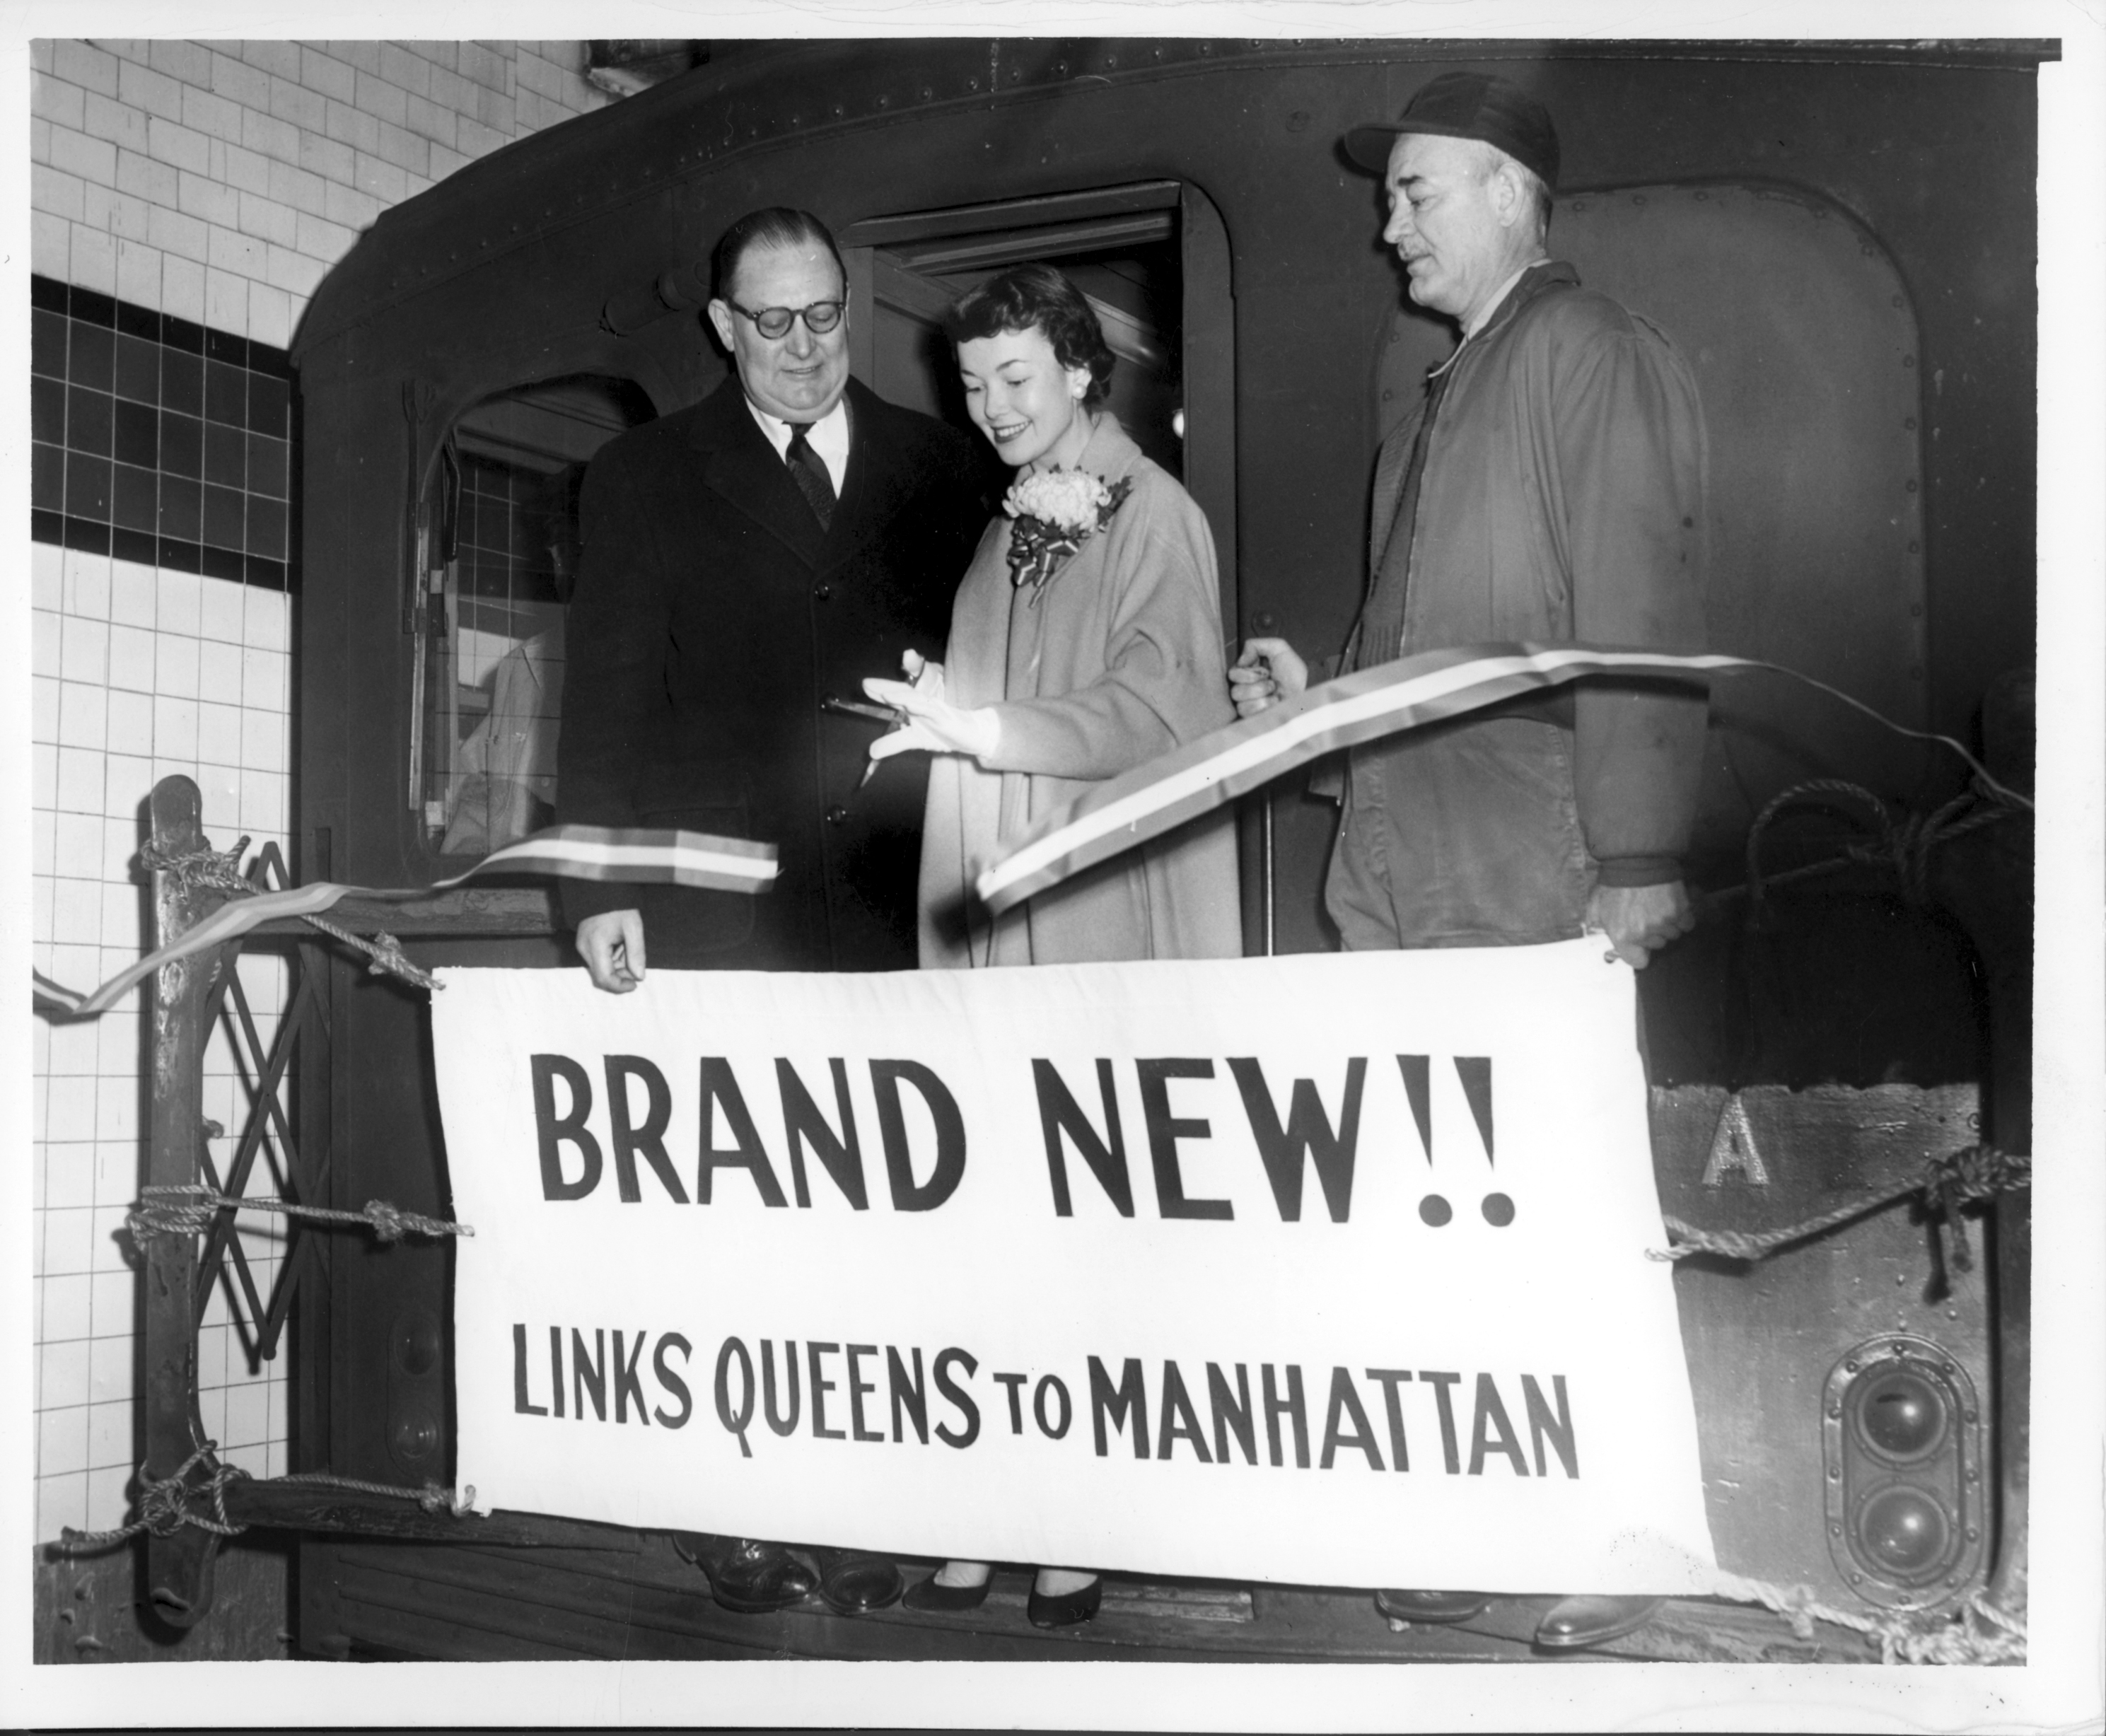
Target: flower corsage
<point>1056,512</point>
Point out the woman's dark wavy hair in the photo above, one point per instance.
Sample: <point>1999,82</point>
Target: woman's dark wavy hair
<point>1042,298</point>
<point>777,226</point>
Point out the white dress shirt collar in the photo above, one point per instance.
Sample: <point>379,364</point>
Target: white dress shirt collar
<point>829,437</point>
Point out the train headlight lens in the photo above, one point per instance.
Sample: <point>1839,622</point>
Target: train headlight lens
<point>1902,1446</point>
<point>415,1434</point>
<point>1904,1530</point>
<point>416,1390</point>
<point>1903,1415</point>
<point>416,1343</point>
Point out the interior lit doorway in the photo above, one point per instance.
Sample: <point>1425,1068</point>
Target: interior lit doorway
<point>1153,258</point>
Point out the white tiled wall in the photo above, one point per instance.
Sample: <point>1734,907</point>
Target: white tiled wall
<point>217,181</point>
<point>136,674</point>
<point>220,180</point>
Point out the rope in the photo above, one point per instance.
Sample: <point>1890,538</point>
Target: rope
<point>383,949</point>
<point>164,1507</point>
<point>431,1497</point>
<point>1976,1633</point>
<point>189,1210</point>
<point>1961,1177</point>
<point>219,870</point>
<point>1903,846</point>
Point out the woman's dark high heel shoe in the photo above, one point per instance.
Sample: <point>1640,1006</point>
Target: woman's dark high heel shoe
<point>926,1594</point>
<point>1069,1608</point>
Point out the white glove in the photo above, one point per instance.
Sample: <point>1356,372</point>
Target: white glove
<point>933,725</point>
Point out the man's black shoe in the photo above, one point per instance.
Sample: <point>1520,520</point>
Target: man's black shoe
<point>852,1583</point>
<point>1573,1623</point>
<point>746,1576</point>
<point>1436,1609</point>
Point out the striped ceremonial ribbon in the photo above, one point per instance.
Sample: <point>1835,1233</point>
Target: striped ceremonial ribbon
<point>1430,687</point>
<point>600,853</point>
<point>55,996</point>
<point>576,852</point>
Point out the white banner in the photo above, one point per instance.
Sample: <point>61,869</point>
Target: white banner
<point>1327,1270</point>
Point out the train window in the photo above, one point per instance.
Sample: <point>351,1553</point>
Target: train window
<point>1153,259</point>
<point>500,550</point>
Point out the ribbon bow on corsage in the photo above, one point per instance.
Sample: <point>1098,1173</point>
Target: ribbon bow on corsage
<point>1056,512</point>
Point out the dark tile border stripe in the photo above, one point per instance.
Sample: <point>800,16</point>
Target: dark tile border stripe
<point>266,364</point>
<point>89,536</point>
<point>96,308</point>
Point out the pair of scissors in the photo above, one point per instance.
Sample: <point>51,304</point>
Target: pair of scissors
<point>889,715</point>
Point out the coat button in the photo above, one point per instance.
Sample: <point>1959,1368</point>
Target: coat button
<point>822,592</point>
<point>836,816</point>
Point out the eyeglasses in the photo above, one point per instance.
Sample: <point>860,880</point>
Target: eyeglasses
<point>819,318</point>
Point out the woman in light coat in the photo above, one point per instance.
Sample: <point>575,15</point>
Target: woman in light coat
<point>1054,680</point>
<point>1085,640</point>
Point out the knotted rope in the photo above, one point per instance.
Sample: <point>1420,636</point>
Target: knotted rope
<point>164,1507</point>
<point>164,1503</point>
<point>1978,1632</point>
<point>189,1210</point>
<point>383,949</point>
<point>1944,1185</point>
<point>1902,845</point>
<point>219,870</point>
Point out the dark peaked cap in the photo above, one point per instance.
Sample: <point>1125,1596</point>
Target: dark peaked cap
<point>1467,105</point>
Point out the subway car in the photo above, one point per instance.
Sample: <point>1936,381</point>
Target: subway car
<point>1839,239</point>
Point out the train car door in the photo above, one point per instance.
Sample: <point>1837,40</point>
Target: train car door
<point>1152,257</point>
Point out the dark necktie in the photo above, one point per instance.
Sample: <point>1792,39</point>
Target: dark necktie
<point>808,472</point>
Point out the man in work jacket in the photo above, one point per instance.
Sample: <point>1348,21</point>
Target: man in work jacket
<point>1550,488</point>
<point>746,561</point>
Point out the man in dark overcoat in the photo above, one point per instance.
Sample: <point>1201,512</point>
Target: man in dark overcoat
<point>747,563</point>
